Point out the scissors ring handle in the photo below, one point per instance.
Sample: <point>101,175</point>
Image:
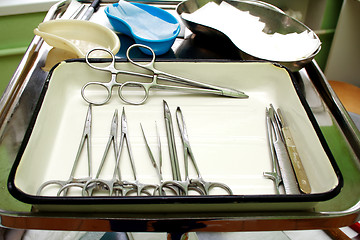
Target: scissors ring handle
<point>149,65</point>
<point>211,185</point>
<point>110,66</point>
<point>51,182</point>
<point>92,101</point>
<point>67,186</point>
<point>92,184</point>
<point>144,86</point>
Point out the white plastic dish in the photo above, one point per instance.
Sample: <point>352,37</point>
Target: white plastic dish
<point>78,36</point>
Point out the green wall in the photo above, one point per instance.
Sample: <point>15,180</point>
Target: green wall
<point>17,35</point>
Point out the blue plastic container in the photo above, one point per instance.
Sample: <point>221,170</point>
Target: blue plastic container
<point>160,43</point>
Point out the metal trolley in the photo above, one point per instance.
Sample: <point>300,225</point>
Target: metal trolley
<point>21,96</point>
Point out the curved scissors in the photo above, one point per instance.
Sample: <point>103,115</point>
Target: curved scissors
<point>193,86</point>
<point>188,153</point>
<point>72,181</point>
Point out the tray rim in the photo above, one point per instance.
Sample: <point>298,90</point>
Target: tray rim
<point>212,199</point>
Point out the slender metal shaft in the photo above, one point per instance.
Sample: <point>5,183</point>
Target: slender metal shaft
<point>171,143</point>
<point>296,162</point>
<point>287,172</point>
<point>275,174</point>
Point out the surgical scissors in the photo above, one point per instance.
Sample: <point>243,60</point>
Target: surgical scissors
<point>203,185</point>
<point>72,181</point>
<point>192,86</point>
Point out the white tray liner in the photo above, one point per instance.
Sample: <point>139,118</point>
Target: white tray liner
<point>227,135</point>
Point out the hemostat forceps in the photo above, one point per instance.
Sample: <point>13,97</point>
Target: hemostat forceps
<point>191,85</point>
<point>275,174</point>
<point>114,182</point>
<point>72,181</point>
<point>135,186</point>
<point>151,155</point>
<point>286,169</point>
<point>183,186</point>
<point>199,182</point>
<point>157,167</point>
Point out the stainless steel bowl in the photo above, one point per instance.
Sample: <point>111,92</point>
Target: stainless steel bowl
<point>274,18</point>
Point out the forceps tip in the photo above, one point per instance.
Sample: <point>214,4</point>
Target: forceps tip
<point>115,117</point>
<point>165,103</point>
<point>123,116</point>
<point>166,110</point>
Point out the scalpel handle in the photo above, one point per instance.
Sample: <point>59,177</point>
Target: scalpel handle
<point>287,173</point>
<point>300,173</point>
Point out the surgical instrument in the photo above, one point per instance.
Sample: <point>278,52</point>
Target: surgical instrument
<point>275,174</point>
<point>299,170</point>
<point>116,179</point>
<point>72,181</point>
<point>151,155</point>
<point>287,173</point>
<point>183,186</point>
<point>136,186</point>
<point>171,143</point>
<point>92,8</point>
<point>157,167</point>
<point>188,153</point>
<point>192,86</point>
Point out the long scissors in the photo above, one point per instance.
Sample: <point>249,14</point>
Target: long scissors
<point>192,86</point>
<point>72,181</point>
<point>203,185</point>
